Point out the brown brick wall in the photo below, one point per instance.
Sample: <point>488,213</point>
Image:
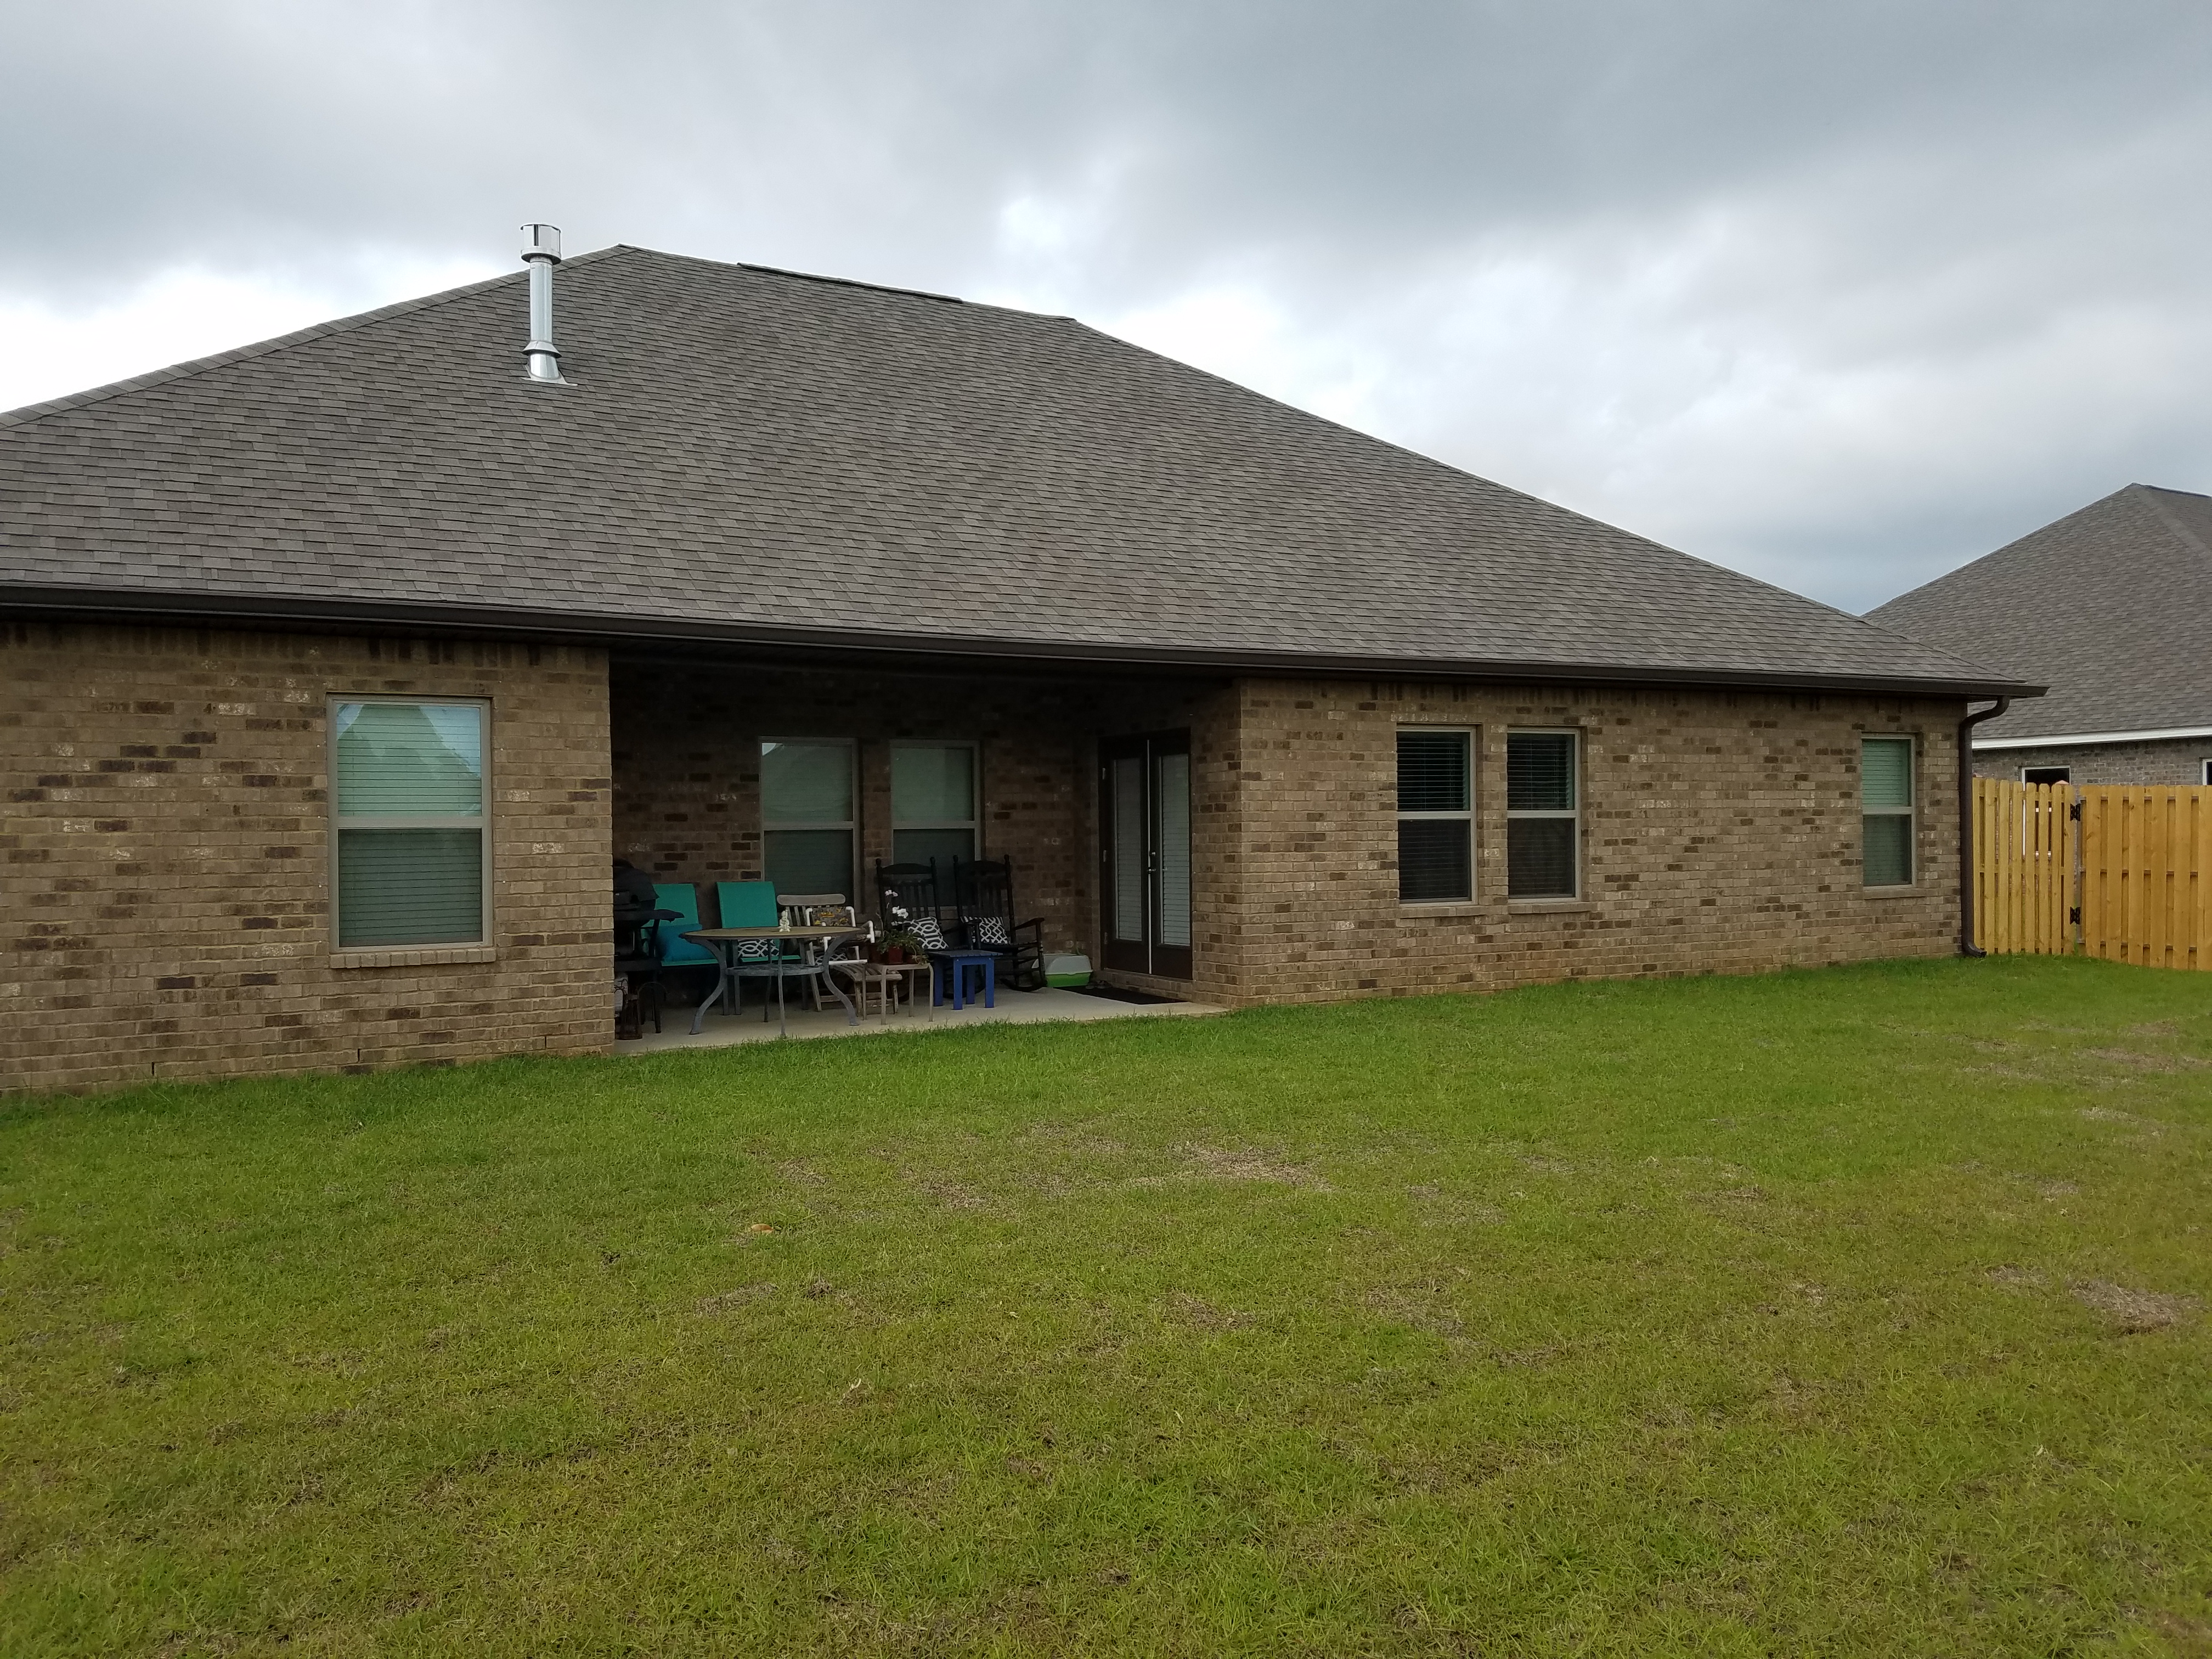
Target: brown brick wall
<point>2173,760</point>
<point>166,885</point>
<point>1720,833</point>
<point>167,882</point>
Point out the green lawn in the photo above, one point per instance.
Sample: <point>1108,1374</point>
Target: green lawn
<point>1857,1312</point>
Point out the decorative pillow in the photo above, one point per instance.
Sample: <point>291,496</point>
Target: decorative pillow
<point>991,930</point>
<point>757,950</point>
<point>932,936</point>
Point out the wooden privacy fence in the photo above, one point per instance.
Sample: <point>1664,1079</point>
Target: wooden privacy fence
<point>2025,861</point>
<point>2121,870</point>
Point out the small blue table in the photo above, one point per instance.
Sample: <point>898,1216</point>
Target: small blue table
<point>953,967</point>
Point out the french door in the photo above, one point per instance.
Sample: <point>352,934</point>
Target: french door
<point>1144,853</point>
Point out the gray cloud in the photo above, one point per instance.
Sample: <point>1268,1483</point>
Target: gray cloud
<point>1841,294</point>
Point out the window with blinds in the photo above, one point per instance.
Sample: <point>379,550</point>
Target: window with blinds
<point>806,815</point>
<point>933,804</point>
<point>1886,806</point>
<point>1435,815</point>
<point>412,852</point>
<point>1543,816</point>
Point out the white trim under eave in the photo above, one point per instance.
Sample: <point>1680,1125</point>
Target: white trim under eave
<point>2171,731</point>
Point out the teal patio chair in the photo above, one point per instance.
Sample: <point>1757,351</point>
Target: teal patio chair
<point>676,950</point>
<point>752,904</point>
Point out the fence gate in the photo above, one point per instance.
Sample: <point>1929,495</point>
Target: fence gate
<point>2120,870</point>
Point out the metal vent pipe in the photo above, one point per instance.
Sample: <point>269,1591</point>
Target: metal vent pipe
<point>541,251</point>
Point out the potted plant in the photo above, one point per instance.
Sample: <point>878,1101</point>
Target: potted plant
<point>900,945</point>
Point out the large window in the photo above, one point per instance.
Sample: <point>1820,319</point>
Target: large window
<point>1543,832</point>
<point>1886,805</point>
<point>408,798</point>
<point>933,813</point>
<point>806,815</point>
<point>1436,815</point>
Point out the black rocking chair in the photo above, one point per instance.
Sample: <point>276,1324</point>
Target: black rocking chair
<point>985,888</point>
<point>912,902</point>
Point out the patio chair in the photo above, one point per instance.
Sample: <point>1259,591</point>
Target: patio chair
<point>754,904</point>
<point>911,901</point>
<point>985,888</point>
<point>681,900</point>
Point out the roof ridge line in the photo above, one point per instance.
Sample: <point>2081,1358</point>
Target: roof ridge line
<point>817,276</point>
<point>2168,517</point>
<point>32,412</point>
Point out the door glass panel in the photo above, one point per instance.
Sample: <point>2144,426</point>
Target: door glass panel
<point>1128,785</point>
<point>1174,787</point>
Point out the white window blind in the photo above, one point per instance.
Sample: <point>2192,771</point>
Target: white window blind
<point>1436,815</point>
<point>1542,816</point>
<point>1886,805</point>
<point>408,787</point>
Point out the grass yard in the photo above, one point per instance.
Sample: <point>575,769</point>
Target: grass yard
<point>1857,1312</point>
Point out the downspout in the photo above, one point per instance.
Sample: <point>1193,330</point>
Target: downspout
<point>1966,945</point>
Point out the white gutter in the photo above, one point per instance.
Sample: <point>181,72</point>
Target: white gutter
<point>2160,735</point>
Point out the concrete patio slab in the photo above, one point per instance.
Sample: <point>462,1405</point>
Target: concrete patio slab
<point>1015,1008</point>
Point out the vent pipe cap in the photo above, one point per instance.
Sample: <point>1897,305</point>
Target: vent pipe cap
<point>541,251</point>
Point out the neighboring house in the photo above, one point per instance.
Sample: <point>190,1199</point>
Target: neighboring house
<point>337,668</point>
<point>2107,607</point>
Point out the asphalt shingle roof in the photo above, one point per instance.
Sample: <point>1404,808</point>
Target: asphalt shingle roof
<point>2107,606</point>
<point>752,455</point>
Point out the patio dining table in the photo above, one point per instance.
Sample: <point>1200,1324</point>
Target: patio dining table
<point>819,945</point>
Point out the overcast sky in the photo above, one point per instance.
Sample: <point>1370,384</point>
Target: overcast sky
<point>1840,294</point>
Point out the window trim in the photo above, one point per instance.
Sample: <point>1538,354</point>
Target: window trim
<point>851,826</point>
<point>1575,813</point>
<point>478,949</point>
<point>973,825</point>
<point>1910,812</point>
<point>1471,734</point>
<point>2067,770</point>
<point>2208,771</point>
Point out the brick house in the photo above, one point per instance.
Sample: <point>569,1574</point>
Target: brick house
<point>785,576</point>
<point>2106,606</point>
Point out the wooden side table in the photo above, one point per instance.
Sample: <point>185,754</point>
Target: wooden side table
<point>888,977</point>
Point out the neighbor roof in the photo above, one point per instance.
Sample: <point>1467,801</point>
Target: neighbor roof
<point>753,455</point>
<point>2107,606</point>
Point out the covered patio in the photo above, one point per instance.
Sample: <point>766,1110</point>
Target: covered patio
<point>810,777</point>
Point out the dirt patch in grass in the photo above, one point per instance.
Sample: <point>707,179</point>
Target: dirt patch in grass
<point>2107,1115</point>
<point>2133,1311</point>
<point>1249,1163</point>
<point>2147,1062</point>
<point>1197,1311</point>
<point>741,1296</point>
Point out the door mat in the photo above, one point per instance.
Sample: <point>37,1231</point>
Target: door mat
<point>1115,993</point>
